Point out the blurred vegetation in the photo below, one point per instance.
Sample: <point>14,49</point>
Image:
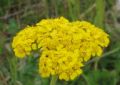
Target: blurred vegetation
<point>16,14</point>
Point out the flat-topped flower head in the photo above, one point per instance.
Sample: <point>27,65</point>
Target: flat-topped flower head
<point>65,46</point>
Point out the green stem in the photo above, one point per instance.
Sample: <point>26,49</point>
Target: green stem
<point>65,83</point>
<point>96,64</point>
<point>53,80</point>
<point>100,11</point>
<point>85,79</point>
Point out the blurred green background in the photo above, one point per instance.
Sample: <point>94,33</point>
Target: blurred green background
<point>16,14</point>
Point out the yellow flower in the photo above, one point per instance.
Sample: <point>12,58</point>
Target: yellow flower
<point>65,46</point>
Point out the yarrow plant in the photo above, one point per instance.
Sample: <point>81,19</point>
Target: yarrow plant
<point>64,46</point>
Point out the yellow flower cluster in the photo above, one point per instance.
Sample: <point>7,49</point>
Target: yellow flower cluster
<point>25,42</point>
<point>65,45</point>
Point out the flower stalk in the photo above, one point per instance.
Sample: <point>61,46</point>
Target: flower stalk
<point>53,80</point>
